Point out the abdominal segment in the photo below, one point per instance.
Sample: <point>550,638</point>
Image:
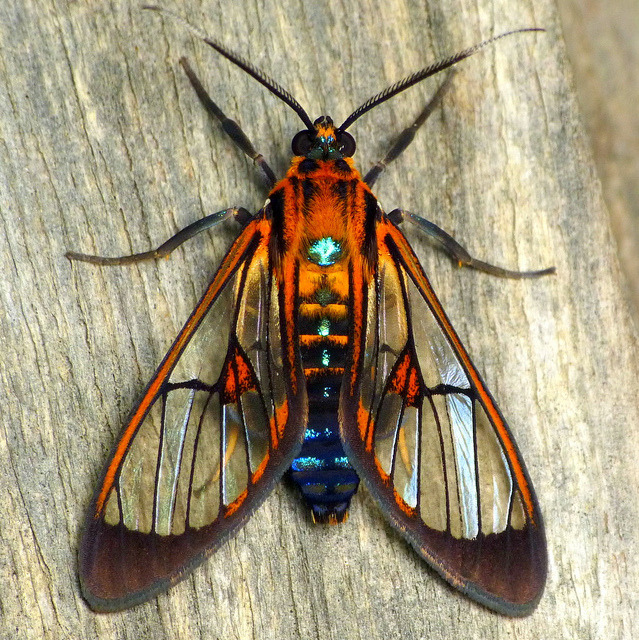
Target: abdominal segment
<point>322,471</point>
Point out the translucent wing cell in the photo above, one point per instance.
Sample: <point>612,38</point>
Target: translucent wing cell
<point>216,427</point>
<point>422,430</point>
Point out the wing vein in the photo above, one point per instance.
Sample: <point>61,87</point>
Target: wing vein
<point>418,457</point>
<point>396,431</point>
<point>158,464</point>
<point>476,456</point>
<point>443,459</point>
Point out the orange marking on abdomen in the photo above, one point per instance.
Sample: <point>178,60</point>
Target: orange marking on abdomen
<point>330,311</point>
<point>324,371</point>
<point>319,341</point>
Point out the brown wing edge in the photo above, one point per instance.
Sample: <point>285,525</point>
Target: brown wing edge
<point>505,572</point>
<point>119,568</point>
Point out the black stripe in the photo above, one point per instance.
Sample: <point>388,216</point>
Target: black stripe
<point>307,166</point>
<point>309,189</point>
<point>276,207</point>
<point>369,249</point>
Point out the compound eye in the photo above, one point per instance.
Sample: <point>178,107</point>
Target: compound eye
<point>302,142</point>
<point>346,144</point>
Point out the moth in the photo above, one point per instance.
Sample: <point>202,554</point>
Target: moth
<point>319,350</point>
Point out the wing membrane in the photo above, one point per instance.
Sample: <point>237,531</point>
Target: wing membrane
<point>215,429</point>
<point>421,428</point>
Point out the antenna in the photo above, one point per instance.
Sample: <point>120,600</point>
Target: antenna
<point>243,64</point>
<point>424,73</point>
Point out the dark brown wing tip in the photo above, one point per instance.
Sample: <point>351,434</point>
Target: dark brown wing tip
<point>120,568</point>
<point>505,572</point>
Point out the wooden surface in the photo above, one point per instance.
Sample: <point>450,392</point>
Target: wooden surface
<point>602,42</point>
<point>104,148</point>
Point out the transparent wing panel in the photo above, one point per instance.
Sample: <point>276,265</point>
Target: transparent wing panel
<point>208,430</point>
<point>441,448</point>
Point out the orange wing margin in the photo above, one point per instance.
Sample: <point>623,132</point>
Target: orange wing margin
<point>217,426</point>
<point>422,430</point>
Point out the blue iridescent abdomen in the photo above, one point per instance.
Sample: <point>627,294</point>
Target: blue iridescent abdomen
<point>322,471</point>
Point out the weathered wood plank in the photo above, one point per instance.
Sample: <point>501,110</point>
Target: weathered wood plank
<point>104,148</point>
<point>603,48</point>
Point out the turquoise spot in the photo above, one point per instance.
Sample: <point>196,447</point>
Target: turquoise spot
<point>324,327</point>
<point>314,434</point>
<point>307,463</point>
<point>325,251</point>
<point>326,357</point>
<point>313,463</point>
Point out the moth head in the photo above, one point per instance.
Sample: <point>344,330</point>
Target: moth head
<point>323,142</point>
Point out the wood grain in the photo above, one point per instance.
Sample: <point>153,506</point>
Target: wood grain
<point>602,42</point>
<point>104,148</point>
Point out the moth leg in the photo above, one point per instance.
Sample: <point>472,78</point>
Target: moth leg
<point>231,128</point>
<point>459,253</point>
<point>239,213</point>
<point>406,136</point>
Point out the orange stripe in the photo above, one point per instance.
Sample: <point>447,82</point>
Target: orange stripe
<point>278,423</point>
<point>412,264</point>
<point>411,512</point>
<point>327,371</point>
<point>230,262</point>
<point>363,422</point>
<point>235,505</point>
<point>333,311</point>
<point>261,468</point>
<point>318,341</point>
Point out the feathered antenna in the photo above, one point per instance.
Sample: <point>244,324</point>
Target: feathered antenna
<point>279,91</point>
<point>243,64</point>
<point>424,73</point>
